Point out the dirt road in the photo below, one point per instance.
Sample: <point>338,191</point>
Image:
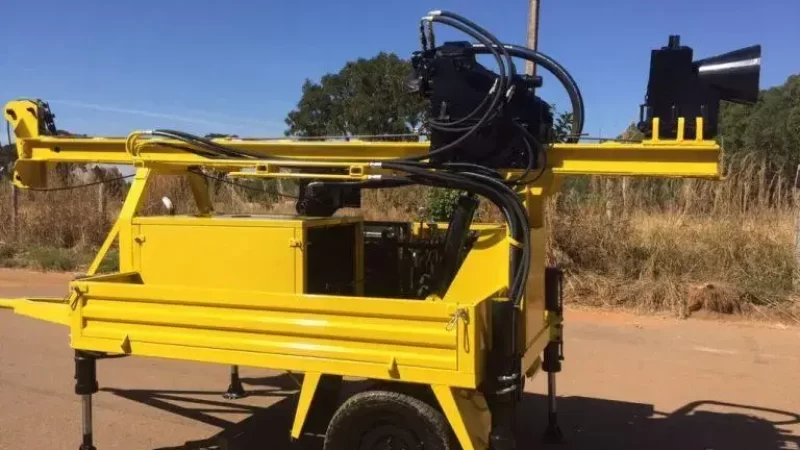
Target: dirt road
<point>629,383</point>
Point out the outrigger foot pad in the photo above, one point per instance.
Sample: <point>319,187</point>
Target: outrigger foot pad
<point>553,434</point>
<point>235,389</point>
<point>234,393</point>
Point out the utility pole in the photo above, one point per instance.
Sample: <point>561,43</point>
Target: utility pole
<point>14,212</point>
<point>101,202</point>
<point>533,33</point>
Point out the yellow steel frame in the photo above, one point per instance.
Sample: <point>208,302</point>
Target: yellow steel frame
<point>439,342</point>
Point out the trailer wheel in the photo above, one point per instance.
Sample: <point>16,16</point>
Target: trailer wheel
<point>386,420</point>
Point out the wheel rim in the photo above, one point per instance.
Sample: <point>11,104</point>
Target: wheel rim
<point>389,437</point>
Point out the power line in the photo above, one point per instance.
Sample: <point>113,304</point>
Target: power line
<point>340,137</point>
<point>78,186</point>
<point>244,186</point>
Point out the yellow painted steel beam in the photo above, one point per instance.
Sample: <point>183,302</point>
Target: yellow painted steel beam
<point>110,150</point>
<point>127,241</point>
<point>649,158</point>
<point>8,303</point>
<point>655,157</point>
<point>309,388</point>
<point>468,414</point>
<point>562,157</point>
<point>55,310</point>
<point>101,254</point>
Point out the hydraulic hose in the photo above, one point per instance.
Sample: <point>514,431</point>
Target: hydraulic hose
<point>496,94</point>
<point>504,363</point>
<point>381,183</point>
<point>207,144</point>
<point>493,106</point>
<point>512,71</point>
<point>496,192</point>
<point>559,72</point>
<point>517,286</point>
<point>528,140</point>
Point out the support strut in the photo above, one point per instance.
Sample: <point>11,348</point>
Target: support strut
<point>86,386</point>
<point>235,388</point>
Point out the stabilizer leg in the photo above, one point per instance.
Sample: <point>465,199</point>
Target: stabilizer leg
<point>235,389</point>
<point>86,386</point>
<point>552,434</point>
<point>553,353</point>
<point>86,420</point>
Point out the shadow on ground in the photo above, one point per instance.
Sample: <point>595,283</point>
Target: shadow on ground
<point>593,423</point>
<point>588,423</point>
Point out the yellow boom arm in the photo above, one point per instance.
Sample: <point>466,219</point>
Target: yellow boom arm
<point>655,157</point>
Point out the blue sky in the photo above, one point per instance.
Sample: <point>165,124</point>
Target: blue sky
<point>211,66</point>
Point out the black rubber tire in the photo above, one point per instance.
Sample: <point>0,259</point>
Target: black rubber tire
<point>367,420</point>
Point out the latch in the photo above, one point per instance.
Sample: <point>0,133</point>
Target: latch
<point>459,314</point>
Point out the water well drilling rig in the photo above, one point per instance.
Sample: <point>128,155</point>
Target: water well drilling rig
<point>447,319</point>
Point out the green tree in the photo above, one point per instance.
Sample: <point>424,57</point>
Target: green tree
<point>770,128</point>
<point>441,203</point>
<point>632,133</point>
<point>562,125</point>
<point>366,97</point>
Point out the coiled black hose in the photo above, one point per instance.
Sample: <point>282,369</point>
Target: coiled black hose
<point>564,77</point>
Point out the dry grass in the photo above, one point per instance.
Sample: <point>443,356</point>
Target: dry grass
<point>680,245</point>
<point>655,261</point>
<point>677,245</point>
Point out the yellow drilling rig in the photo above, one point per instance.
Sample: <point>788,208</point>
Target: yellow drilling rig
<point>447,320</point>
